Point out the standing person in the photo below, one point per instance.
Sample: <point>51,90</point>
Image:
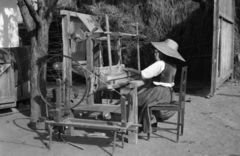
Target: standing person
<point>162,74</point>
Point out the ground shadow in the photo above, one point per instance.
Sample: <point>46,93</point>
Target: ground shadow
<point>143,136</point>
<point>21,108</point>
<point>229,95</point>
<point>194,88</point>
<point>42,135</point>
<point>79,139</point>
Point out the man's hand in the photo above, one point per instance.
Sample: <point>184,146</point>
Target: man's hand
<point>127,69</point>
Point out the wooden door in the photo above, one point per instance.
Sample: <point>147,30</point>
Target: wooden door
<point>223,43</point>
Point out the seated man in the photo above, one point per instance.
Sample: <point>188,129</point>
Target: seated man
<point>162,74</point>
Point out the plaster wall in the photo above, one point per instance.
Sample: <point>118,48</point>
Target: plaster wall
<point>9,14</point>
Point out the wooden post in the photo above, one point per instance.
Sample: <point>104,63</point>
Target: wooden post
<point>138,51</point>
<point>133,117</point>
<point>69,130</point>
<point>233,36</point>
<point>67,68</point>
<point>100,55</point>
<point>215,47</point>
<point>119,50</point>
<point>109,45</point>
<point>123,112</point>
<point>66,47</point>
<point>59,101</point>
<point>89,47</point>
<point>130,109</point>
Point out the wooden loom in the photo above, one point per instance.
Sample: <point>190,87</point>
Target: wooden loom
<point>99,78</point>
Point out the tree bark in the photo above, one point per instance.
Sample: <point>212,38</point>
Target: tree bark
<point>39,51</point>
<point>37,23</point>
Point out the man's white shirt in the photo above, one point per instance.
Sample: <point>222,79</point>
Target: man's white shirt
<point>154,70</point>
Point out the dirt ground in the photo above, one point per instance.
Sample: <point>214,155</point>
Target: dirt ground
<point>212,128</point>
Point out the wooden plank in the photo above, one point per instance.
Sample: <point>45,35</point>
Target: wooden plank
<point>58,116</point>
<point>82,62</point>
<point>226,8</point>
<point>90,125</point>
<point>138,51</point>
<point>215,47</point>
<point>130,109</point>
<point>223,78</point>
<point>67,66</point>
<point>100,108</point>
<point>123,112</point>
<point>233,41</point>
<point>65,12</point>
<point>93,121</point>
<point>218,65</point>
<point>85,125</point>
<point>68,112</point>
<point>109,46</point>
<point>227,13</point>
<point>7,105</point>
<point>230,20</point>
<point>90,21</point>
<point>12,83</point>
<point>118,84</point>
<point>132,135</point>
<point>7,82</point>
<point>67,93</point>
<point>226,47</point>
<point>66,46</point>
<point>7,99</point>
<point>89,47</point>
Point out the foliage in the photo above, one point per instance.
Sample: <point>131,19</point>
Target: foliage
<point>159,20</point>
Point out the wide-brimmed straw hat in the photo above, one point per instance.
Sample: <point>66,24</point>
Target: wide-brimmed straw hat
<point>169,48</point>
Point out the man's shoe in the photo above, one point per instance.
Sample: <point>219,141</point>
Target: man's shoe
<point>154,127</point>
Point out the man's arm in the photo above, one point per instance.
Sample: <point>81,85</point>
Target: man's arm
<point>136,72</point>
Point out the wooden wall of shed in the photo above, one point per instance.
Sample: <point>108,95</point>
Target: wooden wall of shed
<point>226,49</point>
<point>7,81</point>
<point>225,7</point>
<point>237,41</point>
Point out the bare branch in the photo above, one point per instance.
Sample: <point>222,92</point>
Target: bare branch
<point>41,8</point>
<point>28,20</point>
<point>33,12</point>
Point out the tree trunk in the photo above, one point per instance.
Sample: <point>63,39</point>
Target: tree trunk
<point>37,21</point>
<point>39,49</point>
